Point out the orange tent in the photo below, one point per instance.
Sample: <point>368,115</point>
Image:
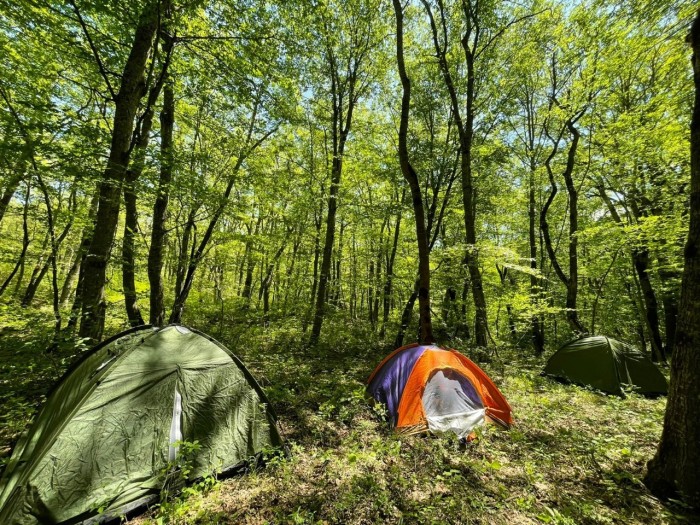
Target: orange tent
<point>429,388</point>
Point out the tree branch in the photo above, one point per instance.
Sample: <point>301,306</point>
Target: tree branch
<point>93,48</point>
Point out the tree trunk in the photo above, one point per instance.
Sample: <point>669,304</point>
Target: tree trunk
<point>155,254</point>
<point>81,255</point>
<point>340,131</point>
<point>140,140</point>
<point>640,258</point>
<point>425,321</point>
<point>406,315</point>
<point>572,284</point>
<point>10,190</point>
<point>184,255</point>
<point>69,281</point>
<point>669,300</point>
<point>198,253</point>
<point>673,472</point>
<point>25,244</point>
<point>537,328</point>
<point>571,280</point>
<point>250,269</point>
<point>133,312</point>
<point>389,283</point>
<point>126,103</point>
<point>465,128</point>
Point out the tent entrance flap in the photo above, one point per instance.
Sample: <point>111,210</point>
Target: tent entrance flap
<point>451,404</point>
<point>175,427</point>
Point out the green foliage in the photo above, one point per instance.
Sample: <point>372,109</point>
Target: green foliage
<point>180,492</point>
<point>254,111</point>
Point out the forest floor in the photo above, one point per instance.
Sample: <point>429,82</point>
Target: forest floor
<point>573,457</point>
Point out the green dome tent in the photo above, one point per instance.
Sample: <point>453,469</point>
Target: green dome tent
<point>105,436</point>
<point>606,364</point>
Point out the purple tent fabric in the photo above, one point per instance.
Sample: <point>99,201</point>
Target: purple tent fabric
<point>388,384</point>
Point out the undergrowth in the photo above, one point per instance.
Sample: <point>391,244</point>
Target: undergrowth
<point>573,457</point>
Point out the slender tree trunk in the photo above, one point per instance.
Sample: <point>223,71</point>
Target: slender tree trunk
<point>250,269</point>
<point>269,273</point>
<point>669,300</point>
<point>389,283</point>
<point>184,255</point>
<point>25,244</point>
<point>155,254</point>
<point>324,274</point>
<point>572,284</point>
<point>340,130</point>
<point>370,293</point>
<point>140,140</point>
<point>406,316</point>
<point>465,128</point>
<point>571,280</point>
<point>126,102</point>
<point>673,472</point>
<point>133,312</point>
<point>69,281</point>
<point>537,326</point>
<point>640,262</point>
<point>640,258</point>
<point>35,281</point>
<point>198,253</point>
<point>9,191</point>
<point>375,285</point>
<point>425,321</point>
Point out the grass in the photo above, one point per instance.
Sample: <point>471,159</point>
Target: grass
<point>573,457</point>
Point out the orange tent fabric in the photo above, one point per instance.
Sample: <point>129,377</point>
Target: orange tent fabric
<point>426,361</point>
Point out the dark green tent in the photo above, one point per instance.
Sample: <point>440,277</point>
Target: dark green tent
<point>606,364</point>
<point>107,432</point>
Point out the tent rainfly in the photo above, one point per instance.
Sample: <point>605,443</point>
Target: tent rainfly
<point>606,365</point>
<point>112,425</point>
<point>428,388</point>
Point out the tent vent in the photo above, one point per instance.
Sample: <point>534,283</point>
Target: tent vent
<point>175,427</point>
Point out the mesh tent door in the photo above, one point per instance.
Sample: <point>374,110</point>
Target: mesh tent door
<point>451,403</point>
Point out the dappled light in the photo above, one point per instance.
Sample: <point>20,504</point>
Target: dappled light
<point>349,262</point>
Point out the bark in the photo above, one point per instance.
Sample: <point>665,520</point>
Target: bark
<point>184,255</point>
<point>141,138</point>
<point>53,258</point>
<point>640,262</point>
<point>640,259</point>
<point>85,239</point>
<point>465,128</point>
<point>370,293</point>
<point>198,253</point>
<point>425,321</point>
<point>38,271</point>
<point>669,300</point>
<point>25,243</point>
<point>673,472</point>
<point>269,273</point>
<point>250,268</point>
<point>406,314</point>
<point>69,281</point>
<point>536,324</point>
<point>131,91</point>
<point>9,192</point>
<point>133,311</point>
<point>160,207</point>
<point>389,283</point>
<point>335,288</point>
<point>570,280</point>
<point>340,129</point>
<point>318,221</point>
<point>376,287</point>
